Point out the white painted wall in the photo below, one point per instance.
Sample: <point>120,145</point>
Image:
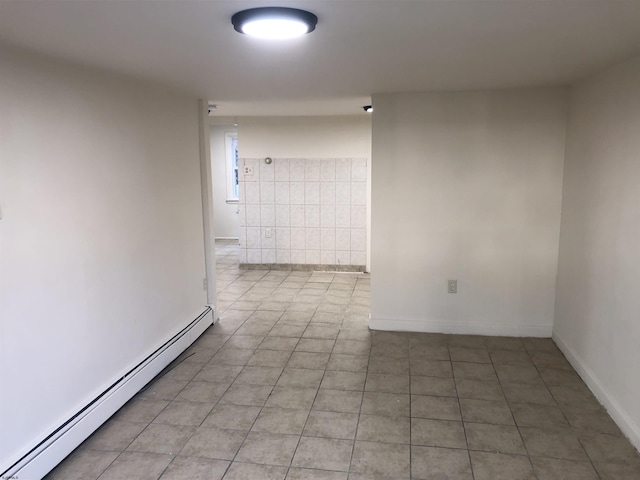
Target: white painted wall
<point>466,186</point>
<point>101,236</point>
<point>225,216</point>
<point>597,303</point>
<point>305,137</point>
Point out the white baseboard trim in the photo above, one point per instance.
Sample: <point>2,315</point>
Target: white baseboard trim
<point>464,328</point>
<point>60,443</point>
<point>630,428</point>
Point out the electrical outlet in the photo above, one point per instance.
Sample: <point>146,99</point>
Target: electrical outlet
<point>453,286</point>
<point>267,232</point>
<point>248,170</point>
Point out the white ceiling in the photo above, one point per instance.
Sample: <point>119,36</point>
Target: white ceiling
<point>359,48</point>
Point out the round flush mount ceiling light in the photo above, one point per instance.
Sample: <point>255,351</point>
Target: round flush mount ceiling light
<point>274,23</point>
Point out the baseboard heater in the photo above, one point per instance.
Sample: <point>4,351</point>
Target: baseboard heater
<point>43,457</point>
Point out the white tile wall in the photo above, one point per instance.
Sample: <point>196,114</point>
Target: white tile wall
<point>282,193</point>
<point>283,215</point>
<point>268,255</point>
<point>343,239</point>
<point>297,215</point>
<point>315,210</point>
<point>312,216</point>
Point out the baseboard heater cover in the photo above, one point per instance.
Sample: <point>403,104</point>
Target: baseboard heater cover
<point>43,457</point>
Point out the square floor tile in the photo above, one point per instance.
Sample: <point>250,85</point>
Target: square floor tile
<point>617,471</point>
<point>437,433</point>
<point>348,363</point>
<point>429,352</point>
<point>232,356</point>
<point>518,374</point>
<point>166,388</point>
<point>255,395</point>
<point>476,371</point>
<point>486,411</point>
<point>308,474</point>
<point>389,383</point>
<point>609,448</point>
<point>479,389</point>
<point>193,467</point>
<point>552,469</point>
<point>543,416</point>
<point>504,343</point>
<point>510,357</point>
<point>553,376</point>
<point>391,404</point>
<point>287,330</point>
<point>268,448</point>
<point>232,417</point>
<point>554,443</point>
<point>203,392</point>
<point>323,453</point>
<point>300,377</point>
<point>494,438</point>
<point>257,375</point>
<point>214,443</point>
<point>377,428</point>
<point>339,380</point>
<point>475,355</point>
<point>285,344</point>
<point>596,421</point>
<point>244,341</point>
<point>308,360</point>
<point>498,466</point>
<point>441,387</point>
<point>250,471</point>
<point>114,436</point>
<point>184,413</point>
<point>218,373</point>
<point>351,347</point>
<point>331,425</point>
<point>82,464</point>
<point>431,368</point>
<point>430,463</point>
<point>292,397</point>
<point>137,465</point>
<point>396,366</point>
<point>338,401</point>
<point>324,332</point>
<point>314,345</point>
<point>439,408</point>
<point>528,393</point>
<point>269,358</point>
<point>158,438</point>
<point>281,420</point>
<point>384,459</point>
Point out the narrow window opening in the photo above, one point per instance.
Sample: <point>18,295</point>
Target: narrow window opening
<point>231,144</point>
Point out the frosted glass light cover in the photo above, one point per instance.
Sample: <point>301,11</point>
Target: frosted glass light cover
<point>274,22</point>
<point>275,29</point>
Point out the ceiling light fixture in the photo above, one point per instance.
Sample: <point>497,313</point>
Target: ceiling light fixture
<point>368,108</point>
<point>274,23</point>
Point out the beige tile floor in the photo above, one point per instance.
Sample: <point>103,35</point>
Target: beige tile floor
<point>292,384</point>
